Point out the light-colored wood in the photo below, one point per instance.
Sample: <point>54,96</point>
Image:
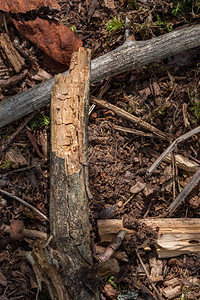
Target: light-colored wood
<point>12,54</point>
<point>175,236</point>
<point>183,163</point>
<point>131,55</point>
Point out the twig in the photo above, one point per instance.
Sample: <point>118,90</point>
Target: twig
<point>5,23</point>
<point>185,117</point>
<point>31,234</point>
<point>112,247</point>
<point>24,203</point>
<point>127,201</point>
<point>100,95</point>
<point>148,276</point>
<point>131,118</point>
<point>184,193</point>
<point>13,80</point>
<point>173,174</point>
<point>11,138</point>
<point>171,148</point>
<point>131,130</point>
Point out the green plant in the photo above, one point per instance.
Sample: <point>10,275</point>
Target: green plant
<point>163,25</point>
<point>5,165</point>
<point>185,6</point>
<point>195,105</point>
<point>40,121</point>
<point>114,24</point>
<point>111,281</point>
<point>73,28</point>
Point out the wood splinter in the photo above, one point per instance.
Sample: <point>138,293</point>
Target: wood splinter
<point>12,54</point>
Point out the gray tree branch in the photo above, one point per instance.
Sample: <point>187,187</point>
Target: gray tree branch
<point>131,55</point>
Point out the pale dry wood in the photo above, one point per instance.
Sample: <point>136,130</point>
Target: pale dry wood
<point>131,55</point>
<point>12,54</point>
<point>175,236</point>
<point>173,291</point>
<point>184,163</point>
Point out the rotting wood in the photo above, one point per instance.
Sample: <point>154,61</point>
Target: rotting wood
<point>175,236</point>
<point>69,262</point>
<point>10,82</point>
<point>131,55</point>
<point>12,54</point>
<point>68,196</point>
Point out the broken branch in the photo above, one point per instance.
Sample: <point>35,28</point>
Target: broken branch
<point>127,57</point>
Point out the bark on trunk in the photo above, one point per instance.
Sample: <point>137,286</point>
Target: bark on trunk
<point>129,56</point>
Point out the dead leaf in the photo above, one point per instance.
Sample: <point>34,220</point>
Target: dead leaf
<point>55,39</point>
<point>110,292</point>
<point>3,279</point>
<point>17,228</point>
<point>148,190</point>
<point>109,4</point>
<point>138,187</point>
<point>23,6</point>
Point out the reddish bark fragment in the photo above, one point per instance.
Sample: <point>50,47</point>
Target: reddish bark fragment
<point>17,228</point>
<point>55,39</point>
<point>23,6</point>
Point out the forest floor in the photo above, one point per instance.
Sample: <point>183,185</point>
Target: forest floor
<point>165,94</point>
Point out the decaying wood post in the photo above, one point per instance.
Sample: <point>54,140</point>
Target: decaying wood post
<point>64,262</point>
<point>69,214</point>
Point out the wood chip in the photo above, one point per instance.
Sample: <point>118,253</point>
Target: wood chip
<point>12,54</point>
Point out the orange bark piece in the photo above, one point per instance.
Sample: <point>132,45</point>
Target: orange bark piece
<point>55,39</point>
<point>17,228</point>
<point>23,6</point>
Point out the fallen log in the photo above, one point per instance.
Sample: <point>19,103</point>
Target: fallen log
<point>132,54</point>
<point>175,236</point>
